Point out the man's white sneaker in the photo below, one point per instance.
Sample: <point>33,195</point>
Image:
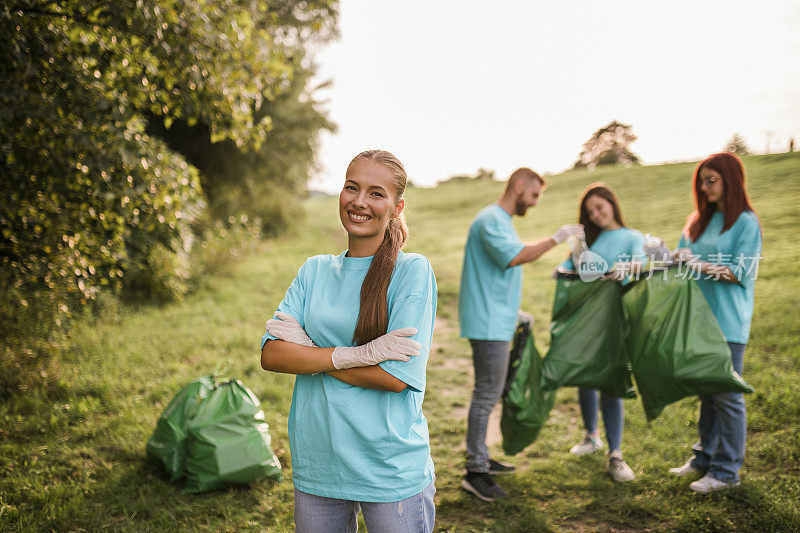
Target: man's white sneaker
<point>710,484</point>
<point>619,470</point>
<point>588,445</point>
<point>683,470</point>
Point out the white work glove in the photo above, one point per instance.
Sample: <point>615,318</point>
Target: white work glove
<point>288,329</point>
<point>684,255</point>
<point>393,346</point>
<point>567,230</point>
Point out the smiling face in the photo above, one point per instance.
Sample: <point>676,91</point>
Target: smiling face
<point>601,212</point>
<point>528,196</point>
<point>367,201</point>
<point>712,185</point>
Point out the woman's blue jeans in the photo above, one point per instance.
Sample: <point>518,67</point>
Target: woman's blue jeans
<point>722,429</point>
<point>613,415</point>
<point>318,514</point>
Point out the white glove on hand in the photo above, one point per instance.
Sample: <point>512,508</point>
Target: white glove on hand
<point>566,230</point>
<point>391,346</point>
<point>288,329</point>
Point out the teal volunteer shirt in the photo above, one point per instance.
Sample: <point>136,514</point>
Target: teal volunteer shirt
<point>490,292</point>
<point>739,249</point>
<point>622,244</point>
<point>349,442</point>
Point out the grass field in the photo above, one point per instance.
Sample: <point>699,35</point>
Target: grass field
<point>77,463</point>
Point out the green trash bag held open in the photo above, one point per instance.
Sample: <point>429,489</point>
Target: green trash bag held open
<point>677,347</point>
<point>525,404</point>
<point>167,446</point>
<point>587,347</point>
<point>228,441</point>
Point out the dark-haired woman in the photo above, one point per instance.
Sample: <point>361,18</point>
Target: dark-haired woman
<point>356,328</point>
<point>622,249</point>
<point>722,243</point>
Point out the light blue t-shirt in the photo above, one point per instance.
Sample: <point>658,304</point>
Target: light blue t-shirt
<point>490,292</point>
<point>739,249</point>
<point>349,442</point>
<point>622,244</point>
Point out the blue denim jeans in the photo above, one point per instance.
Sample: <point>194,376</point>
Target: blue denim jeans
<point>490,361</point>
<point>317,514</point>
<point>722,428</point>
<point>613,415</point>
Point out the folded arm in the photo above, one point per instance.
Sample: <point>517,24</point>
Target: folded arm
<point>291,358</point>
<point>295,353</point>
<point>369,377</point>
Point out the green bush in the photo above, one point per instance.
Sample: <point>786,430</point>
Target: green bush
<point>70,231</point>
<point>265,182</point>
<point>91,201</point>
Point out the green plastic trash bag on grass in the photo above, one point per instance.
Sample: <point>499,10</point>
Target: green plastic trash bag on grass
<point>587,347</point>
<point>228,441</point>
<point>525,404</point>
<point>167,446</point>
<point>677,347</point>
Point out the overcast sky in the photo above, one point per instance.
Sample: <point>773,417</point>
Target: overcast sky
<point>449,87</point>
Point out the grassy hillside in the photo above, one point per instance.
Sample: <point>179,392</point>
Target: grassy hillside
<point>77,463</point>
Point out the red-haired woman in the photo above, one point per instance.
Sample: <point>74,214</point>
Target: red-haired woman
<point>622,249</point>
<point>356,328</point>
<point>722,243</point>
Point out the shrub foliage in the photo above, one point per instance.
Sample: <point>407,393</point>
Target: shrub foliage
<point>91,199</point>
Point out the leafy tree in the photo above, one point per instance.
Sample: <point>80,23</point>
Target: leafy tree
<point>91,200</point>
<point>610,145</point>
<point>265,183</point>
<point>736,145</point>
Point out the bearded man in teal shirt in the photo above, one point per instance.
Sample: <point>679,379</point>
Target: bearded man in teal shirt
<point>489,298</point>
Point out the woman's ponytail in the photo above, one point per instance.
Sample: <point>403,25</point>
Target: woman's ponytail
<point>373,313</point>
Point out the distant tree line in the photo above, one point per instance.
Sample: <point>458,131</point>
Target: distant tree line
<point>610,145</point>
<point>482,174</point>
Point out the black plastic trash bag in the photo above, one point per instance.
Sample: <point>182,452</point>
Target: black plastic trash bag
<point>228,441</point>
<point>587,347</point>
<point>167,446</point>
<point>525,404</point>
<point>677,347</point>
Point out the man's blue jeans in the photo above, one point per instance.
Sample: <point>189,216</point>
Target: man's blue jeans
<point>490,361</point>
<point>722,429</point>
<point>318,514</point>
